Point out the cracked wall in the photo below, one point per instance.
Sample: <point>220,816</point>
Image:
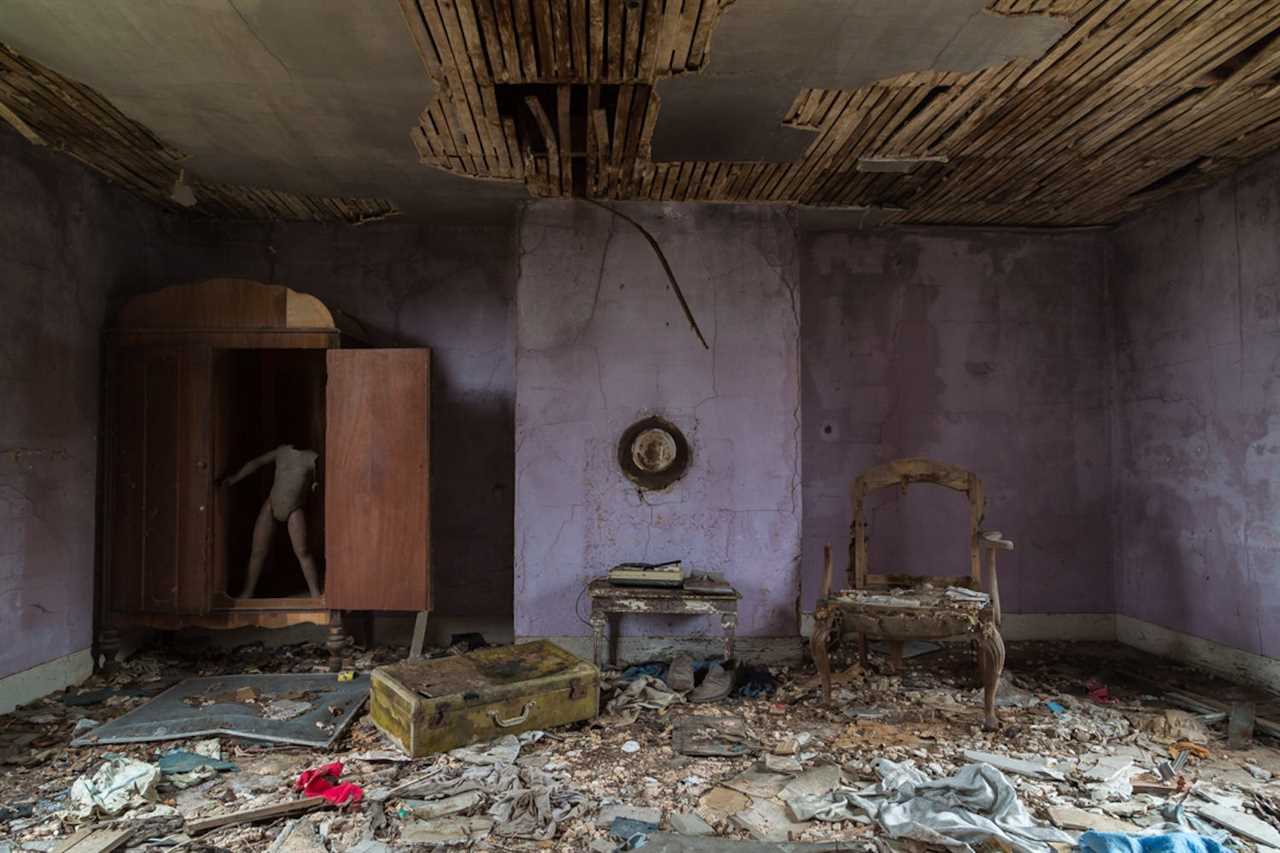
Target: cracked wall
<point>1196,417</point>
<point>66,240</point>
<point>601,343</point>
<point>985,349</point>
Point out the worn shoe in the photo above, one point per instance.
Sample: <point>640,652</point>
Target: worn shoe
<point>716,685</point>
<point>680,673</point>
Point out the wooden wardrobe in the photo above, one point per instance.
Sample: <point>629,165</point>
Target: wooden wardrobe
<point>203,377</point>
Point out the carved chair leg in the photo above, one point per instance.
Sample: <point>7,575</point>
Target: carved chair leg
<point>990,666</point>
<point>818,648</point>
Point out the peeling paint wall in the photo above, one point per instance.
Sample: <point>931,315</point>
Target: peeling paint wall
<point>66,239</point>
<point>601,343</point>
<point>1197,412</point>
<point>985,349</point>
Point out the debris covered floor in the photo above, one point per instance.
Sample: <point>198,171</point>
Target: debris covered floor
<point>1084,730</point>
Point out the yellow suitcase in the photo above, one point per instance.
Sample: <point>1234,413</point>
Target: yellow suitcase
<point>429,706</point>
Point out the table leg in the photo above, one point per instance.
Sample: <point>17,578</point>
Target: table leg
<point>614,639</point>
<point>597,637</point>
<point>729,622</point>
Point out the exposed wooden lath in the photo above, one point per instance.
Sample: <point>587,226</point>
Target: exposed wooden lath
<point>50,109</point>
<point>599,59</point>
<point>1140,99</point>
<point>1036,7</point>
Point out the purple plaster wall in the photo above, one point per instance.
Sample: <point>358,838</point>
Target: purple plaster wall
<point>601,343</point>
<point>66,240</point>
<point>1197,413</point>
<point>985,349</point>
<point>448,288</point>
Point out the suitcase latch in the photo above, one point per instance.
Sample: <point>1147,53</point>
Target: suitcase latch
<point>575,690</point>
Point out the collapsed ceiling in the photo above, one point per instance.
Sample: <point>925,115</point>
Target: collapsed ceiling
<point>1028,112</point>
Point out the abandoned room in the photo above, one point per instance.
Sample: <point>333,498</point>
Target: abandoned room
<point>698,426</point>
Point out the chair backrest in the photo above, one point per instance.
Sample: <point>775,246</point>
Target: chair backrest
<point>901,473</point>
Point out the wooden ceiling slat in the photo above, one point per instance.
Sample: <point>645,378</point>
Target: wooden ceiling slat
<point>561,38</point>
<point>613,55</point>
<point>708,16</point>
<point>544,35</point>
<point>596,30</point>
<point>631,40</point>
<point>491,44</point>
<point>579,27</point>
<point>526,40</point>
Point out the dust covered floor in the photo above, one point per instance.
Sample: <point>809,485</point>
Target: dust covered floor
<point>1089,722</point>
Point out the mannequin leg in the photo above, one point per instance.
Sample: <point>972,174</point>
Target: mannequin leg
<point>298,536</point>
<point>263,531</point>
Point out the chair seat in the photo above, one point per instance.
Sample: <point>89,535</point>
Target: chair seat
<point>923,613</point>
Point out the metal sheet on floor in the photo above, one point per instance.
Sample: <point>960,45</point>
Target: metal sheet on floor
<point>304,709</point>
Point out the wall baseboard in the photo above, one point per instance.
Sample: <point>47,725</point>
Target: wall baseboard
<point>774,651</point>
<point>1206,654</point>
<point>1076,627</point>
<point>43,679</point>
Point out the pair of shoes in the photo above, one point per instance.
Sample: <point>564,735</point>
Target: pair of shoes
<point>716,685</point>
<point>680,673</point>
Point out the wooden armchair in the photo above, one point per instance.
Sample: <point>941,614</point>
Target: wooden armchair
<point>906,607</point>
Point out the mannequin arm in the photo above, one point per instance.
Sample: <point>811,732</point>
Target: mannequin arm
<point>249,467</point>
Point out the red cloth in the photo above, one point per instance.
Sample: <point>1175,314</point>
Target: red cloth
<point>323,782</point>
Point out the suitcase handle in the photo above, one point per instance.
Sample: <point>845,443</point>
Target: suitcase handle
<point>514,721</point>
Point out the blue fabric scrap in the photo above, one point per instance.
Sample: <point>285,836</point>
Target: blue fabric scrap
<point>1176,842</point>
<point>182,761</point>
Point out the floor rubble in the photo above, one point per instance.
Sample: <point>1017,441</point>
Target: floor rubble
<point>1094,737</point>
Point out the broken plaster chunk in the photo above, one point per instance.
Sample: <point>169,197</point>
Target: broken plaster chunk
<point>758,783</point>
<point>448,830</point>
<point>1068,817</point>
<point>609,814</point>
<point>783,763</point>
<point>1109,768</point>
<point>814,783</point>
<point>1241,824</point>
<point>718,804</point>
<point>688,823</point>
<point>766,820</point>
<point>1031,769</point>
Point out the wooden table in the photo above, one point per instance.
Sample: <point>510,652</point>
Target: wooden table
<point>609,601</point>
